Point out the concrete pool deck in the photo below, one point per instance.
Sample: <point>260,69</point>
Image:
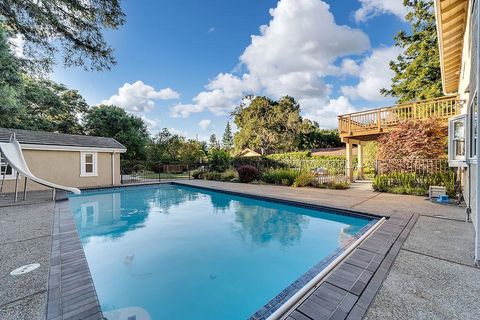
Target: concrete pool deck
<point>433,276</point>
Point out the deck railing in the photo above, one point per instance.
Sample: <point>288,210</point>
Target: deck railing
<point>380,120</point>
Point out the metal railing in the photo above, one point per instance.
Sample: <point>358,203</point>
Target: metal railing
<point>325,170</point>
<point>371,122</point>
<point>149,172</point>
<point>418,166</point>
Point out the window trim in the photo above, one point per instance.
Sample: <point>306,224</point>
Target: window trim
<point>8,176</point>
<point>83,172</point>
<point>452,160</point>
<point>471,142</point>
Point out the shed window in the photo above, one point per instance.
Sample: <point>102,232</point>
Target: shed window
<point>5,169</point>
<point>88,164</point>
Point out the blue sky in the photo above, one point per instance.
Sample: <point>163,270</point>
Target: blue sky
<point>186,64</point>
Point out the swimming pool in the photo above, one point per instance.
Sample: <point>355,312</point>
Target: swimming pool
<point>177,252</point>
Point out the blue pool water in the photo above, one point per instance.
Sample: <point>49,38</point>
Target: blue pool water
<point>175,252</point>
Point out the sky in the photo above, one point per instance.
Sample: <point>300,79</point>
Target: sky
<point>186,64</point>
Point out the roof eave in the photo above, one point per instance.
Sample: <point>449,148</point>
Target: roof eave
<point>449,87</point>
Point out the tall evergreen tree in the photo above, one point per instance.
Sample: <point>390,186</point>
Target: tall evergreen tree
<point>417,69</point>
<point>227,140</point>
<point>213,141</point>
<point>10,81</point>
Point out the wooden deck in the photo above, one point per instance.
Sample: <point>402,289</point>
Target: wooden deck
<point>368,125</point>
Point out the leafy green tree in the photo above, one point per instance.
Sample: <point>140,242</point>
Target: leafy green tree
<point>165,147</point>
<point>219,160</point>
<point>114,122</point>
<point>10,82</point>
<point>417,69</point>
<point>267,125</point>
<point>315,138</point>
<point>227,140</point>
<point>75,25</point>
<point>191,152</point>
<point>49,106</point>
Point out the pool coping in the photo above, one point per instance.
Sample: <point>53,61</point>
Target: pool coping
<point>71,292</point>
<point>356,279</point>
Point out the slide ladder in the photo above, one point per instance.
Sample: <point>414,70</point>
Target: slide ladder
<point>13,155</point>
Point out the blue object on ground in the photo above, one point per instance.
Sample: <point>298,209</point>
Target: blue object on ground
<point>443,199</point>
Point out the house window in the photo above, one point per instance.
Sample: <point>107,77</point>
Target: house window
<point>456,141</point>
<point>473,110</point>
<point>5,169</point>
<point>88,162</point>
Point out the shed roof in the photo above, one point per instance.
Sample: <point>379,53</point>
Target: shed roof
<point>340,151</point>
<point>59,139</point>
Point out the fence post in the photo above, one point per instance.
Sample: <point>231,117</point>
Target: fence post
<point>188,169</point>
<point>379,120</point>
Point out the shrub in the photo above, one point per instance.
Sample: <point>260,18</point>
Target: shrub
<point>212,175</point>
<point>280,176</point>
<point>414,184</point>
<point>410,139</point>
<point>338,185</point>
<point>219,160</point>
<point>247,174</point>
<point>261,163</point>
<point>197,174</point>
<point>304,179</point>
<point>229,175</point>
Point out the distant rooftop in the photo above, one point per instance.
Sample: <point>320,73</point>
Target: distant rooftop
<point>59,139</point>
<point>340,151</point>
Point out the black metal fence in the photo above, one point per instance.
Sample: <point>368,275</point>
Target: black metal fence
<point>418,166</point>
<point>133,171</point>
<point>326,170</point>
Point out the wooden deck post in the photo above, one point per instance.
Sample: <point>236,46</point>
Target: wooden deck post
<point>349,172</point>
<point>360,161</point>
<point>379,120</point>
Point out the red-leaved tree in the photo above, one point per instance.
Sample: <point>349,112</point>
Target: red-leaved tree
<point>415,139</point>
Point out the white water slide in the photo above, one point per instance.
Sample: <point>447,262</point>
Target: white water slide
<point>12,152</point>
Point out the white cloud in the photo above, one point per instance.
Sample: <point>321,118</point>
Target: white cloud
<point>374,74</point>
<point>152,124</point>
<point>211,29</point>
<point>325,111</point>
<point>181,110</point>
<point>292,55</point>
<point>372,8</point>
<point>350,67</point>
<point>204,124</point>
<point>140,97</point>
<point>294,52</point>
<point>221,96</point>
